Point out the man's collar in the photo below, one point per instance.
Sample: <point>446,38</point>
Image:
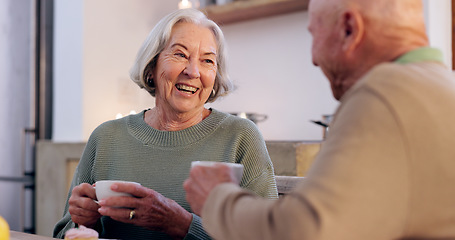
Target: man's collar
<point>424,54</point>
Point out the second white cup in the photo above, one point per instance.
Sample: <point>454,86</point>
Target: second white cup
<point>236,167</point>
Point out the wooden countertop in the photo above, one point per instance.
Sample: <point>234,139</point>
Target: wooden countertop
<point>26,236</point>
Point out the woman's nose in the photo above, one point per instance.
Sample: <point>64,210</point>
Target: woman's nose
<point>192,69</point>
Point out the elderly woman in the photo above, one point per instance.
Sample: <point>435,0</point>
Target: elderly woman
<point>182,64</point>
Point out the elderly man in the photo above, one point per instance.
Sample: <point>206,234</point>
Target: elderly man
<point>387,168</point>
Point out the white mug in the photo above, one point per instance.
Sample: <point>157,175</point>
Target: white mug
<point>103,189</point>
<point>236,167</point>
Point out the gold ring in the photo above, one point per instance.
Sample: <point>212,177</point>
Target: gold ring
<point>132,213</point>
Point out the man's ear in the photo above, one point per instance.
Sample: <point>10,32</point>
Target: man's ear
<point>353,28</point>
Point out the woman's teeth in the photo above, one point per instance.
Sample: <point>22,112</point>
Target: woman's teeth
<point>186,88</point>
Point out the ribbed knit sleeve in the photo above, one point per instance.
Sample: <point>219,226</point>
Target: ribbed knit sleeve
<point>129,149</point>
<point>251,151</point>
<point>82,174</point>
<point>196,230</point>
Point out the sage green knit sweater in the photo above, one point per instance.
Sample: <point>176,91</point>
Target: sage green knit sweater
<point>129,149</point>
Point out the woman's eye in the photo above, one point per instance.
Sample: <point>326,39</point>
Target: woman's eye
<point>180,55</point>
<point>209,61</point>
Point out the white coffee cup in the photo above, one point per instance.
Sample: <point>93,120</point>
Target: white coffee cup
<point>236,167</point>
<point>103,189</point>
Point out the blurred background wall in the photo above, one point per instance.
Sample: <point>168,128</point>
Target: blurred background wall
<point>269,60</point>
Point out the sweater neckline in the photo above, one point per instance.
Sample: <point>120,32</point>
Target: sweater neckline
<point>148,135</point>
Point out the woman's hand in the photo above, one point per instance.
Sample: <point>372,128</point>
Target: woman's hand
<point>151,210</point>
<point>82,205</point>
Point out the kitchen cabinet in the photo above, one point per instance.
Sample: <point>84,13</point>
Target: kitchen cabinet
<point>243,10</point>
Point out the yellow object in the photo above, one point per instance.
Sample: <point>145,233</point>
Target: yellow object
<point>4,229</point>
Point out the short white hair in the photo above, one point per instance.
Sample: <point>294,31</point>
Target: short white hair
<point>158,38</point>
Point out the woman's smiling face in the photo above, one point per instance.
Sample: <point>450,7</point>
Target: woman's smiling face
<point>186,69</point>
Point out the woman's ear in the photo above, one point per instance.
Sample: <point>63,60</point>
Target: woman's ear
<point>148,70</point>
<point>353,28</point>
<point>148,77</point>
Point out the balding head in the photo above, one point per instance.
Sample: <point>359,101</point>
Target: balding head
<point>394,16</point>
<point>352,36</point>
<point>394,13</point>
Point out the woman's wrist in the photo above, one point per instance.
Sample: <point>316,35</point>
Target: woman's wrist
<point>181,225</point>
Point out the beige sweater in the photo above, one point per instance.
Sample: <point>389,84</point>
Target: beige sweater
<point>386,171</point>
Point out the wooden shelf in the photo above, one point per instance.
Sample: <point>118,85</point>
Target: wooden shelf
<point>243,10</point>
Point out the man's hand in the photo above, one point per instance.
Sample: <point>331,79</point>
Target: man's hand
<point>201,182</point>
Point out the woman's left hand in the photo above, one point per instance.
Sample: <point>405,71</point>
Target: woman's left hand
<point>151,210</point>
